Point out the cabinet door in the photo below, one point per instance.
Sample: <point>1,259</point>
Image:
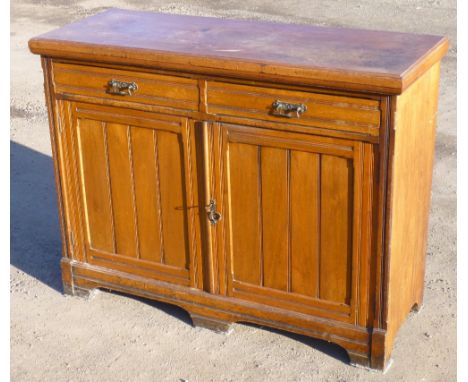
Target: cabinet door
<point>135,191</point>
<point>295,228</point>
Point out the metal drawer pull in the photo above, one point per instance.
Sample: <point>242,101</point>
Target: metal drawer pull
<point>285,109</point>
<point>213,215</point>
<point>121,88</point>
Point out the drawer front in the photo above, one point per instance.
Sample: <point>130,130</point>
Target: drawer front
<point>153,89</point>
<point>327,111</point>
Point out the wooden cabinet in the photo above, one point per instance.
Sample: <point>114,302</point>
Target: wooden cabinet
<point>197,165</point>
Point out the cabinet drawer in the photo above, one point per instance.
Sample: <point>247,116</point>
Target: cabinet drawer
<point>337,112</point>
<point>152,89</point>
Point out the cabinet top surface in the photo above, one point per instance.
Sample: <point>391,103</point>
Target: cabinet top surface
<point>376,61</point>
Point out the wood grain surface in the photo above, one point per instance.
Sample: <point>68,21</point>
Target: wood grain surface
<point>366,59</point>
<point>322,215</point>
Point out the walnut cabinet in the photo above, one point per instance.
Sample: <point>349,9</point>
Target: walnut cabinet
<point>281,181</point>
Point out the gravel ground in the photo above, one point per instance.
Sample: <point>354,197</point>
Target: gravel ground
<point>112,337</point>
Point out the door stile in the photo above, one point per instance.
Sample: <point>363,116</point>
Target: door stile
<point>188,137</point>
<point>367,236</point>
<point>74,199</point>
<point>354,268</point>
<point>210,229</point>
<point>220,192</point>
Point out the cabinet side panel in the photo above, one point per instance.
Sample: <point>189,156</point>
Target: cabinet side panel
<point>414,138</point>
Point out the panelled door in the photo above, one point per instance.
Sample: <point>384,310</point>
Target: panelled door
<point>295,221</point>
<point>135,191</point>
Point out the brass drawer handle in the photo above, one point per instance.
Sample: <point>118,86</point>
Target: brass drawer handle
<point>213,215</point>
<point>285,109</point>
<point>121,88</point>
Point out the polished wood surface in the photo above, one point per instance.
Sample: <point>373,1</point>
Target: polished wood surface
<point>321,211</point>
<point>153,89</point>
<point>134,190</point>
<point>410,195</point>
<point>353,114</point>
<point>362,59</point>
<point>290,226</point>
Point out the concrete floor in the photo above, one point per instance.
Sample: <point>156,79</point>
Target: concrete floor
<point>118,338</point>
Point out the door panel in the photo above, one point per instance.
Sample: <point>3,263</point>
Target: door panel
<point>293,211</point>
<point>117,138</point>
<point>305,222</point>
<point>136,187</point>
<point>336,200</point>
<point>246,236</point>
<point>275,217</point>
<point>96,182</point>
<point>147,196</point>
<point>172,194</point>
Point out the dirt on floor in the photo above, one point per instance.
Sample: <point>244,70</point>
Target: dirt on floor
<point>112,337</point>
